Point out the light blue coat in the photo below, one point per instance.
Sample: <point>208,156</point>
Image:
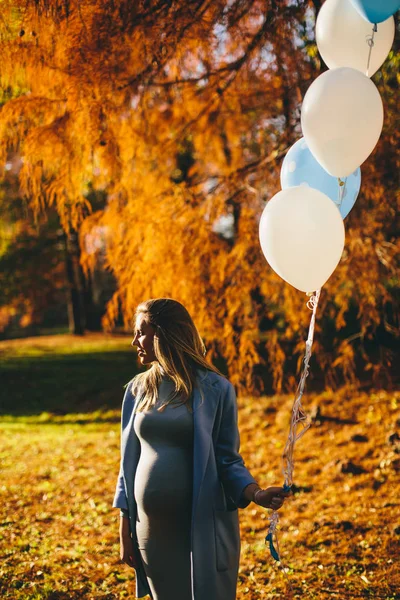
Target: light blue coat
<point>219,477</point>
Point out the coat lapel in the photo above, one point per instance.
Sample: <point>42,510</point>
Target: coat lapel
<point>131,453</point>
<point>204,409</point>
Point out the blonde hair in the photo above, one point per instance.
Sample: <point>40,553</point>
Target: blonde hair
<point>178,348</point>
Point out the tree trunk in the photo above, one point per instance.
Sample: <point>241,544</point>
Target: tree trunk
<point>76,311</point>
<point>93,311</point>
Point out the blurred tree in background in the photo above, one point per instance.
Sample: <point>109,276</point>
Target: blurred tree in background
<point>32,278</point>
<point>41,274</point>
<point>154,131</point>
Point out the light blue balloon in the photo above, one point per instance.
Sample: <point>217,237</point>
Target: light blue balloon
<point>376,11</point>
<point>299,167</point>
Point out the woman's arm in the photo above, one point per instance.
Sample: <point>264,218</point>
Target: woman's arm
<point>126,543</point>
<point>231,469</point>
<point>238,482</point>
<point>120,499</point>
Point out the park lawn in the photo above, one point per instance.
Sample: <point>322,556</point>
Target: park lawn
<point>64,374</point>
<point>339,534</point>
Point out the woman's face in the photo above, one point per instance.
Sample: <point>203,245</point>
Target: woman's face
<point>144,340</point>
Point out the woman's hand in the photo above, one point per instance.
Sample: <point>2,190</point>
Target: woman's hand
<point>272,497</point>
<point>126,543</point>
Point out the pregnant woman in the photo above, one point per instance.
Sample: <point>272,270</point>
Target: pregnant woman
<point>181,478</point>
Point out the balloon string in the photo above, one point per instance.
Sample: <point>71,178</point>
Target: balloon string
<point>272,538</point>
<point>342,188</point>
<point>370,42</point>
<point>298,418</point>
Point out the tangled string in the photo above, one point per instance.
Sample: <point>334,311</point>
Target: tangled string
<point>342,188</point>
<point>370,41</point>
<point>299,423</point>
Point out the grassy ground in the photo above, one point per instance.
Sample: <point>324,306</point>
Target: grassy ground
<point>59,451</point>
<point>64,374</point>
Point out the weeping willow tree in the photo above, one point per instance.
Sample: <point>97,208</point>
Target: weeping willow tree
<point>180,114</point>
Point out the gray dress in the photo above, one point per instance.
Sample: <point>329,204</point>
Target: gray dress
<point>163,493</point>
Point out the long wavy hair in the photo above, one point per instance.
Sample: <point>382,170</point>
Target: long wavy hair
<point>179,351</point>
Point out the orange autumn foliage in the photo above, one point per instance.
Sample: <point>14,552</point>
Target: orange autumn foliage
<point>182,112</point>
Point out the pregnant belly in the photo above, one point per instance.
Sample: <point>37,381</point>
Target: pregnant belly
<point>164,481</point>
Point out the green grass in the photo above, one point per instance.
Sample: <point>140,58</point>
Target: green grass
<point>64,375</point>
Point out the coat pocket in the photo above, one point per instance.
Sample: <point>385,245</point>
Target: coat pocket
<point>227,540</point>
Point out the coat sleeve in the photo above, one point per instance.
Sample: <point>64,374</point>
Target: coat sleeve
<point>231,469</point>
<point>120,499</point>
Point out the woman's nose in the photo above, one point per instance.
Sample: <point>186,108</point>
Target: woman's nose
<point>134,342</point>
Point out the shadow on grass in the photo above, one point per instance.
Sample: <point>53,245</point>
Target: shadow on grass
<point>62,384</point>
<point>97,418</point>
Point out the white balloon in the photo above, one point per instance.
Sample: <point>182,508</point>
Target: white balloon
<point>342,37</point>
<point>341,119</point>
<point>302,236</point>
